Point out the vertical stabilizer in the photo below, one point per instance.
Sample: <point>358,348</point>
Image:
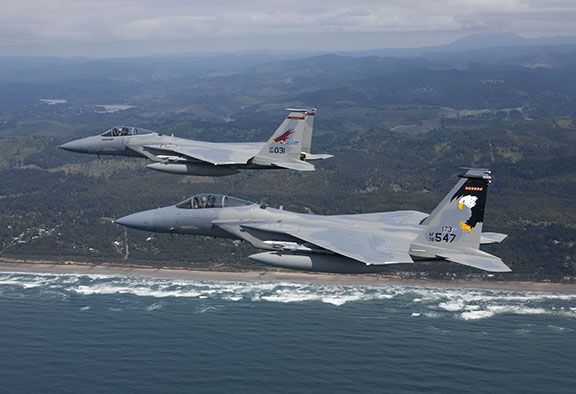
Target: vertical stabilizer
<point>309,115</point>
<point>458,219</point>
<point>453,231</point>
<point>284,148</point>
<point>307,154</point>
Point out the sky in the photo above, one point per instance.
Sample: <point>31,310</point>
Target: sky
<point>102,28</point>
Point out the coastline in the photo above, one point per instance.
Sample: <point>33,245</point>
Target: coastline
<point>77,268</point>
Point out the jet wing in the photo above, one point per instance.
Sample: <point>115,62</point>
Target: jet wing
<point>392,218</point>
<point>369,246</point>
<point>208,152</point>
<point>140,150</point>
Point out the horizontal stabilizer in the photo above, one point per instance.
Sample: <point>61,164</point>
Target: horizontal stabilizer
<point>492,238</point>
<point>318,156</point>
<point>298,166</point>
<point>306,111</point>
<point>491,264</point>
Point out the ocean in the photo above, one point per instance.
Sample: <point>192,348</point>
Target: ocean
<point>120,334</point>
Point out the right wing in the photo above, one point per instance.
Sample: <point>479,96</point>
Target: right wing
<point>392,218</point>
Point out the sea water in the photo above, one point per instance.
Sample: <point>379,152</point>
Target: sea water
<point>121,334</point>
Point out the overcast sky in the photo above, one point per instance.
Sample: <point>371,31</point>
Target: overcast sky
<point>138,27</point>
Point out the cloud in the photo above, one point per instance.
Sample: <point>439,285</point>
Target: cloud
<point>44,22</point>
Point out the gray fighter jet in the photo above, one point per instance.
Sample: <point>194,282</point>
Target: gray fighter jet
<point>342,243</point>
<point>288,148</point>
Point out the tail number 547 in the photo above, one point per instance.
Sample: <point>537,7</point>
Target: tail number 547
<point>441,237</point>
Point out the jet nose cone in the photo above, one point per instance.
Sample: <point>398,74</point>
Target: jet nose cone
<point>139,221</point>
<point>74,146</point>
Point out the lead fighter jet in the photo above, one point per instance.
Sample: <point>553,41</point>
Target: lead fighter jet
<point>288,148</point>
<point>341,243</point>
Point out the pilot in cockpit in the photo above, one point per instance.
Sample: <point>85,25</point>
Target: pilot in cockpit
<point>204,202</point>
<point>211,202</point>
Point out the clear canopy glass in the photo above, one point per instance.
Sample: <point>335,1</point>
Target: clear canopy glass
<point>125,130</point>
<point>200,201</point>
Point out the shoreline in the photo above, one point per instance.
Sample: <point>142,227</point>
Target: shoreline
<point>77,268</point>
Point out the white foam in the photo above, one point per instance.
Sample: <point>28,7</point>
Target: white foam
<point>340,300</point>
<point>233,298</point>
<point>452,306</point>
<point>475,315</point>
<point>137,290</point>
<point>517,310</point>
<point>468,304</point>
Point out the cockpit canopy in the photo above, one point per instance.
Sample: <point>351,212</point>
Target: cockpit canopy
<point>200,201</point>
<point>125,130</point>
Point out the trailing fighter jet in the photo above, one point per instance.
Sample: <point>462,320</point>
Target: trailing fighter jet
<point>289,148</point>
<point>341,243</point>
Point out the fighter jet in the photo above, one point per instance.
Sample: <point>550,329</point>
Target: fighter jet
<point>342,243</point>
<point>288,148</point>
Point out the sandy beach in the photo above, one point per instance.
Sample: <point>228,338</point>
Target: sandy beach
<point>78,268</point>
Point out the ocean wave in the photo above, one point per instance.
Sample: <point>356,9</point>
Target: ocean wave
<point>475,315</point>
<point>432,303</point>
<point>154,307</point>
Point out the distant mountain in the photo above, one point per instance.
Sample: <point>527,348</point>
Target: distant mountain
<point>502,39</point>
<point>469,43</point>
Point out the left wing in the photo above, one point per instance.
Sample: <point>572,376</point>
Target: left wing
<point>369,246</point>
<point>208,152</point>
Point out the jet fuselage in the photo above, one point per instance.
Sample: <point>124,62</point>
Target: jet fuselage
<point>287,148</point>
<point>131,146</point>
<point>343,243</point>
<point>285,251</point>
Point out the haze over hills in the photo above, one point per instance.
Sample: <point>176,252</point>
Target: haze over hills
<point>473,42</point>
<point>399,126</point>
